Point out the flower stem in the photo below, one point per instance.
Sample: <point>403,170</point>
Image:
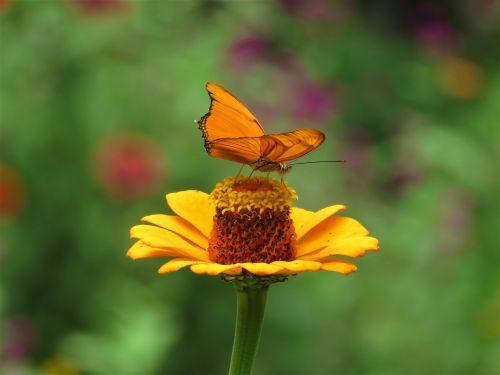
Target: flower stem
<point>250,306</point>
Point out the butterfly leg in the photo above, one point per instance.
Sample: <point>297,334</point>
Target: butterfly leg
<point>239,172</point>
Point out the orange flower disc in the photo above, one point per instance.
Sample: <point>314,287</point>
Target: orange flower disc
<point>252,222</point>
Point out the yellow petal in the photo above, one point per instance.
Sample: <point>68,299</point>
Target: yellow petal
<point>353,247</point>
<point>316,218</point>
<point>193,206</point>
<point>163,239</point>
<point>175,265</point>
<point>216,269</point>
<point>262,268</point>
<point>140,250</point>
<point>298,266</point>
<point>300,216</point>
<point>329,231</point>
<point>338,265</point>
<point>180,226</point>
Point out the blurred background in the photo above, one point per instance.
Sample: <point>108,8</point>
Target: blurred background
<point>97,102</point>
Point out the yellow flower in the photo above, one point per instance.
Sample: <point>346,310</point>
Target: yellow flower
<point>247,225</point>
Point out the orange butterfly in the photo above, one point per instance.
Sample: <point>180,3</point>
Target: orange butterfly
<point>232,132</point>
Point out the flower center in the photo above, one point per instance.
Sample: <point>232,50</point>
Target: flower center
<point>252,221</point>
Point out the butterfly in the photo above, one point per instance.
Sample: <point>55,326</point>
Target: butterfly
<point>232,132</point>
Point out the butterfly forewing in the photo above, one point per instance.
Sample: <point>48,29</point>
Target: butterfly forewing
<point>227,117</point>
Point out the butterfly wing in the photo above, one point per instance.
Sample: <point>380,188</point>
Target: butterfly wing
<point>227,117</point>
<point>232,132</point>
<point>279,148</point>
<point>274,148</point>
<point>245,150</point>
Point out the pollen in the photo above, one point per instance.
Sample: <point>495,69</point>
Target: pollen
<point>252,221</point>
<point>252,194</point>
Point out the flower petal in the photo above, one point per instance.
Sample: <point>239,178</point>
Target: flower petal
<point>216,269</point>
<point>140,250</point>
<point>329,231</point>
<point>353,247</point>
<point>316,218</point>
<point>298,266</point>
<point>338,265</point>
<point>262,268</point>
<point>193,206</point>
<point>175,265</point>
<point>179,226</point>
<point>163,239</point>
<point>300,216</point>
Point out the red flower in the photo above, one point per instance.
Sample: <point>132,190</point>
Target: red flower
<point>4,5</point>
<point>101,6</point>
<point>12,196</point>
<point>129,166</point>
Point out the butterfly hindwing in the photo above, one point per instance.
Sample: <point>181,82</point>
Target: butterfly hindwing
<point>245,150</point>
<point>275,148</point>
<point>283,147</point>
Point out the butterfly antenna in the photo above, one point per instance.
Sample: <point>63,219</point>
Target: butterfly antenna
<point>320,161</point>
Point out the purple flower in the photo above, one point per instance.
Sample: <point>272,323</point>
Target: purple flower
<point>455,212</point>
<point>433,30</point>
<point>312,102</point>
<point>19,339</point>
<point>306,99</point>
<point>245,52</point>
<point>315,10</point>
<point>357,147</point>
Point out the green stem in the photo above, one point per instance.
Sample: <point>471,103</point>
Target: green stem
<point>251,303</point>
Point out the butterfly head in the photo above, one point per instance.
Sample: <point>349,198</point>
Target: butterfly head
<point>284,168</point>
